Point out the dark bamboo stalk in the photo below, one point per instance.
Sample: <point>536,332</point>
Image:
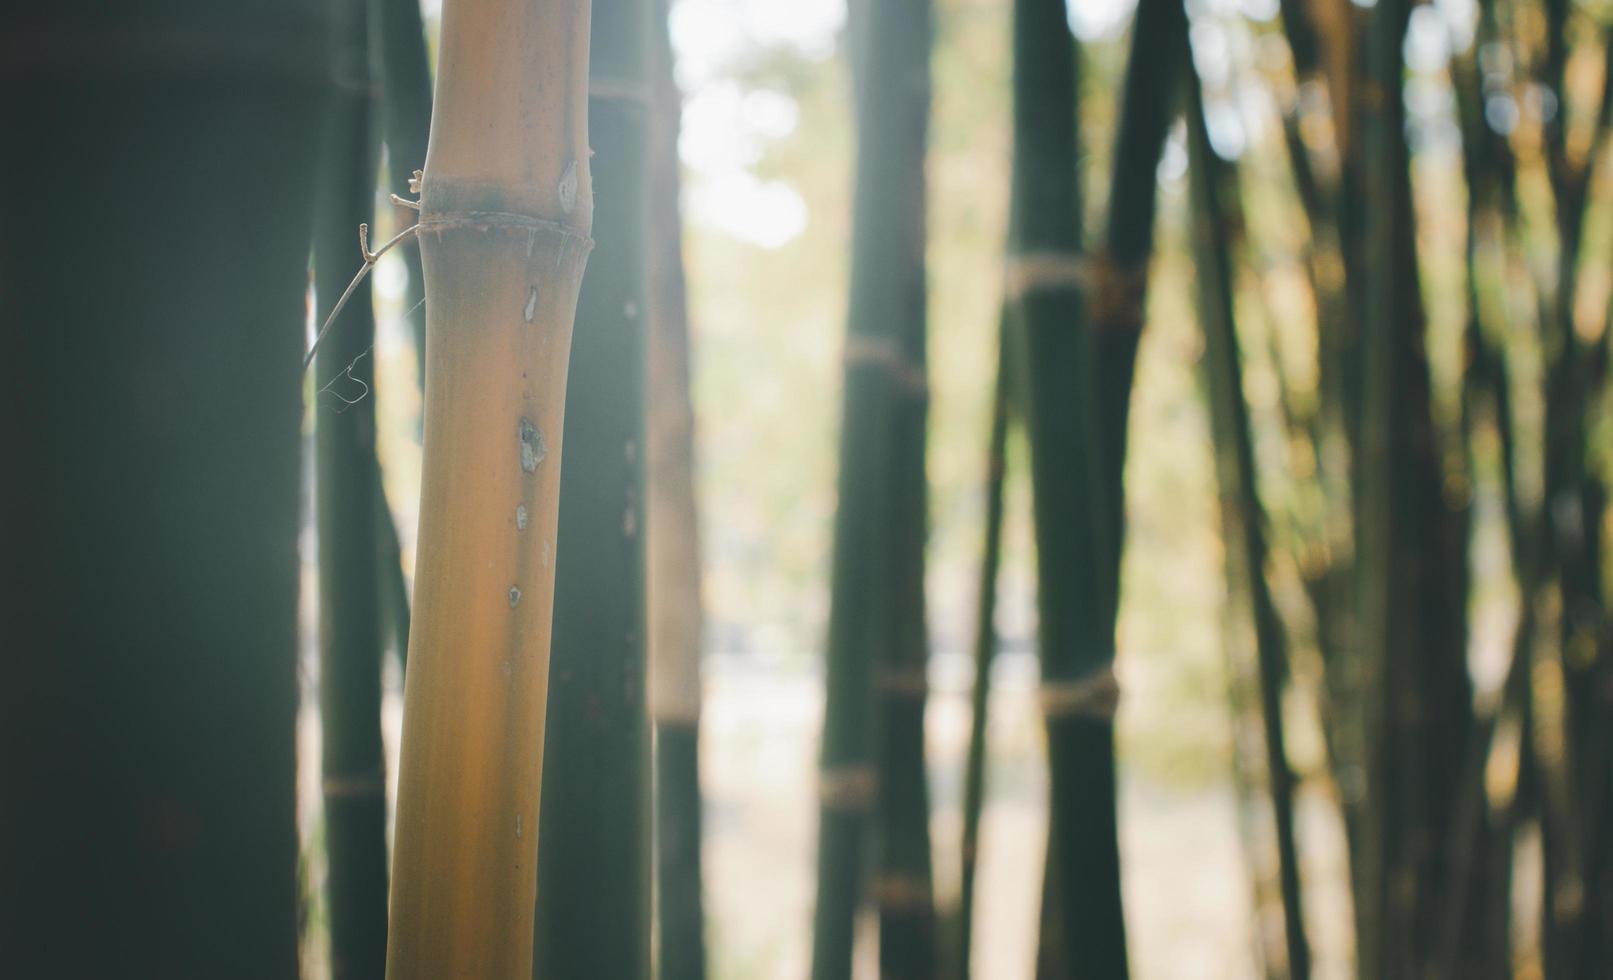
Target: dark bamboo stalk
<point>350,577</point>
<point>1083,508</point>
<point>985,649</point>
<point>903,888</point>
<point>1411,570</point>
<point>394,586</point>
<point>1579,846</point>
<point>872,748</point>
<point>1467,942</point>
<point>594,892</point>
<point>398,39</point>
<point>153,260</point>
<point>1216,219</point>
<point>1119,273</point>
<point>1082,919</point>
<point>673,544</point>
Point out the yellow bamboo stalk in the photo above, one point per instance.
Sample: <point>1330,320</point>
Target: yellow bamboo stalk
<point>506,210</point>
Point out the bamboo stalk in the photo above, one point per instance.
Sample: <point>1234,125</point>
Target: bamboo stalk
<point>594,886</point>
<point>895,67</point>
<point>353,769</point>
<point>872,749</point>
<point>506,207</point>
<point>1579,847</point>
<point>673,543</point>
<point>1119,273</point>
<point>1080,509</point>
<point>1044,222</point>
<point>154,284</point>
<point>394,586</point>
<point>1411,571</point>
<point>985,648</point>
<point>398,40</point>
<point>1243,516</point>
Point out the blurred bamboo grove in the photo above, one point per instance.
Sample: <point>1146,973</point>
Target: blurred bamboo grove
<point>916,489</point>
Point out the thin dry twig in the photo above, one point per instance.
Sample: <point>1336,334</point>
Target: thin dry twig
<point>370,258</point>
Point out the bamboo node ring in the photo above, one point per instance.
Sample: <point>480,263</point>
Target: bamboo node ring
<point>847,787</point>
<point>359,786</point>
<point>882,352</point>
<point>1095,695</point>
<point>1034,272</point>
<point>894,890</point>
<point>910,683</point>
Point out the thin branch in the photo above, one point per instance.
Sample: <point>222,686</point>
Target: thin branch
<point>370,258</point>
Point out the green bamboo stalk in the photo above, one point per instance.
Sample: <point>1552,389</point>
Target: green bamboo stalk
<point>1119,273</point>
<point>903,888</point>
<point>872,749</point>
<point>394,586</point>
<point>1411,570</point>
<point>1375,536</point>
<point>1467,941</point>
<point>1214,191</point>
<point>350,578</point>
<point>154,266</point>
<point>1579,847</point>
<point>1079,511</point>
<point>1085,924</point>
<point>594,851</point>
<point>895,81</point>
<point>398,40</point>
<point>985,648</point>
<point>673,544</point>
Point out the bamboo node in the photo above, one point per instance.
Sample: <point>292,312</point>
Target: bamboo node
<point>1117,294</point>
<point>356,787</point>
<point>1094,695</point>
<point>850,787</point>
<point>882,353</point>
<point>441,221</point>
<point>895,890</point>
<point>910,683</point>
<point>1035,272</point>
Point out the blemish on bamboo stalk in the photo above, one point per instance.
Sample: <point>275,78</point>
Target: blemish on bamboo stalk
<point>521,517</point>
<point>515,596</point>
<point>531,308</point>
<point>533,449</point>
